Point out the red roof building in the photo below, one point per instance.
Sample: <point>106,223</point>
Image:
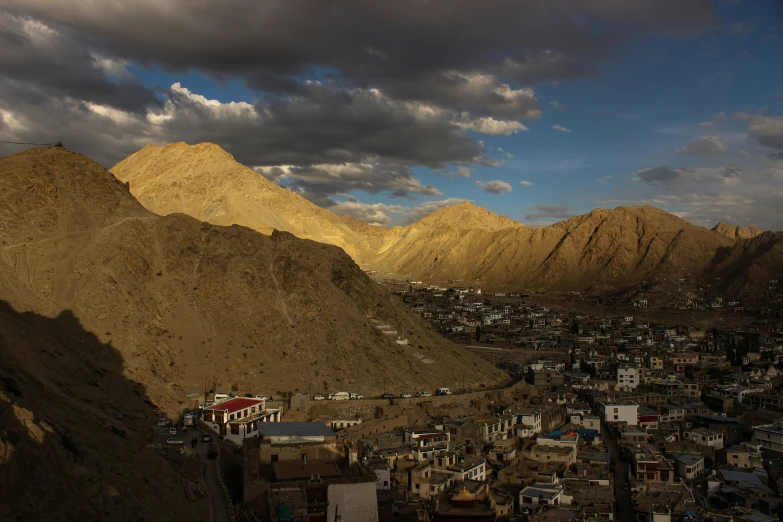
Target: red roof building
<point>238,418</point>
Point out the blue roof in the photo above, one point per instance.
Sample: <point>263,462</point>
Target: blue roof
<point>719,418</point>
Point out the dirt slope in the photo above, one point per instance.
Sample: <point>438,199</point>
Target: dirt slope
<point>736,232</point>
<point>188,303</point>
<point>205,182</point>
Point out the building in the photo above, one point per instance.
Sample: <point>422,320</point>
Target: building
<point>296,468</point>
<point>426,443</point>
<point>540,494</point>
<point>688,467</point>
<point>651,466</point>
<point>464,506</point>
<point>705,437</point>
<point>738,456</point>
<point>426,482</point>
<point>769,437</point>
<point>530,418</point>
<point>293,441</point>
<point>627,377</point>
<point>237,419</point>
<point>614,413</point>
<point>560,454</point>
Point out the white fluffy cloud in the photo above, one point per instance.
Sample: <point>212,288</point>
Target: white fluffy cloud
<point>526,183</point>
<point>561,128</point>
<point>390,215</point>
<point>494,187</point>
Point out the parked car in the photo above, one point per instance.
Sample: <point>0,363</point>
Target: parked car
<point>387,396</point>
<point>443,391</point>
<point>356,396</point>
<point>248,396</point>
<point>423,394</point>
<point>172,431</point>
<point>206,438</point>
<point>173,441</point>
<point>341,396</point>
<point>406,395</point>
<point>163,423</point>
<point>262,397</point>
<point>318,397</point>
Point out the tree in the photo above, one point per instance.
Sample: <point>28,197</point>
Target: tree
<point>575,327</point>
<point>478,333</point>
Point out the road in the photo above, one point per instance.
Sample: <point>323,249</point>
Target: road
<point>219,508</point>
<point>623,499</point>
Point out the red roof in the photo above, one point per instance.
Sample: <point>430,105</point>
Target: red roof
<point>233,405</point>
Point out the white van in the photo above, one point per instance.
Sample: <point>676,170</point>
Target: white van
<point>341,396</point>
<point>221,397</point>
<point>443,391</point>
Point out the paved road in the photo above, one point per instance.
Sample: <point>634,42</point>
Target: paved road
<point>219,507</point>
<point>623,499</point>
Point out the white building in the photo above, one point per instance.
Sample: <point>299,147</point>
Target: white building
<point>613,413</point>
<point>544,493</point>
<point>238,418</point>
<point>703,437</point>
<point>530,418</point>
<point>627,377</point>
<point>769,436</point>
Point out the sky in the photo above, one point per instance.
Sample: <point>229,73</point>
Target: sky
<point>390,110</point>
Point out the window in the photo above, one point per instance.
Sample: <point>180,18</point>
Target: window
<point>231,417</point>
<point>274,458</point>
<point>235,429</point>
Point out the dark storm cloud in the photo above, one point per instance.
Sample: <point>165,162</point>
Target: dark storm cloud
<point>660,174</point>
<point>318,181</point>
<point>409,45</point>
<point>325,124</point>
<point>765,128</point>
<point>401,82</point>
<point>54,63</point>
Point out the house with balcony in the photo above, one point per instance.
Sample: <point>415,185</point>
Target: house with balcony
<point>237,419</point>
<point>426,443</point>
<point>650,465</point>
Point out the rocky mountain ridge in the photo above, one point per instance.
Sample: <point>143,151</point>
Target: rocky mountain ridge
<point>602,251</point>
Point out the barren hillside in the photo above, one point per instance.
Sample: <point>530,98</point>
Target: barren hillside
<point>604,250</point>
<point>205,182</point>
<point>736,232</point>
<point>187,303</point>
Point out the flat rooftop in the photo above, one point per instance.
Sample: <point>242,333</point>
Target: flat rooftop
<point>295,469</point>
<point>294,429</point>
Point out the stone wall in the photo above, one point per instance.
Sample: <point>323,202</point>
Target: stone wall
<point>327,450</point>
<point>352,503</point>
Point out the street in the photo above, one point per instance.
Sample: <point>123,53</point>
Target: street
<point>623,499</point>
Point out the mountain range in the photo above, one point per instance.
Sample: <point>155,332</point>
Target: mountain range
<point>109,311</point>
<point>602,251</point>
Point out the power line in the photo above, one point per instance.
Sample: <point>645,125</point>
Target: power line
<point>59,143</point>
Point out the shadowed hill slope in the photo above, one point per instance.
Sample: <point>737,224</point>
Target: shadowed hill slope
<point>187,303</point>
<point>64,452</point>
